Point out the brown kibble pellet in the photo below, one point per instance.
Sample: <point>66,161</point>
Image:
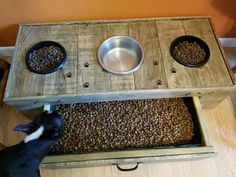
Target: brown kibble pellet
<point>45,59</point>
<point>121,125</point>
<point>189,53</point>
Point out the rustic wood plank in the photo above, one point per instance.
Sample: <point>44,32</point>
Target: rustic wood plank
<point>127,162</point>
<point>149,154</point>
<point>94,79</point>
<point>201,120</point>
<point>149,73</point>
<point>217,73</point>
<point>212,100</point>
<point>64,81</point>
<point>82,39</point>
<point>24,82</point>
<point>117,29</point>
<point>36,101</point>
<point>86,22</point>
<point>184,77</point>
<point>92,29</point>
<point>120,82</point>
<point>222,52</point>
<point>11,74</point>
<point>58,82</point>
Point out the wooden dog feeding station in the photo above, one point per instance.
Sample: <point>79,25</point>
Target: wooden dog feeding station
<point>83,80</point>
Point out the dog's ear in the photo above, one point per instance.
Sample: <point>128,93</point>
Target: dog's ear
<point>26,128</point>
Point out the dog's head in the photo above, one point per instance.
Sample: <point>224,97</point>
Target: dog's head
<point>46,125</point>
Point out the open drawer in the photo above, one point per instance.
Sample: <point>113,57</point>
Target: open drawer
<point>200,149</point>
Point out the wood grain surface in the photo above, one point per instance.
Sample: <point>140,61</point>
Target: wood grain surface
<point>81,41</point>
<point>221,128</point>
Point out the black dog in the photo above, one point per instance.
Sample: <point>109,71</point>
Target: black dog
<point>23,159</point>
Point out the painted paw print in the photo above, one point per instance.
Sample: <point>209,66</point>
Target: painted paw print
<point>86,65</point>
<point>156,62</point>
<point>173,70</point>
<point>158,82</point>
<point>69,74</point>
<point>86,85</point>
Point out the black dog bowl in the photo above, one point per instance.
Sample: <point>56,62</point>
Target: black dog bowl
<point>45,57</point>
<point>190,51</point>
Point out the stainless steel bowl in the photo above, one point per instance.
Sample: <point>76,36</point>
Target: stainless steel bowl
<point>120,55</point>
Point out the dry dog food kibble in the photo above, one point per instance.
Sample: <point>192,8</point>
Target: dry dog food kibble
<point>45,59</point>
<point>189,53</point>
<point>119,125</point>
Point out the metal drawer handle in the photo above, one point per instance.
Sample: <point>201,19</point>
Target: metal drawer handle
<point>127,169</point>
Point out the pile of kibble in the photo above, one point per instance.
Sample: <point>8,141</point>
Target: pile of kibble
<point>189,53</point>
<point>121,125</point>
<point>45,59</point>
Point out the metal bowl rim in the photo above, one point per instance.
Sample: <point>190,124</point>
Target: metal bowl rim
<point>126,72</point>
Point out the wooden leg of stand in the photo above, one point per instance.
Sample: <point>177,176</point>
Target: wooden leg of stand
<point>2,146</point>
<point>4,67</point>
<point>234,69</point>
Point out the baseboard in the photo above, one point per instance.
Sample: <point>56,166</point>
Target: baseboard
<point>228,42</point>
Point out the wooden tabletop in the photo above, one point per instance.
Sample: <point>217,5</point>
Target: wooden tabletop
<point>221,126</point>
<point>81,41</point>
